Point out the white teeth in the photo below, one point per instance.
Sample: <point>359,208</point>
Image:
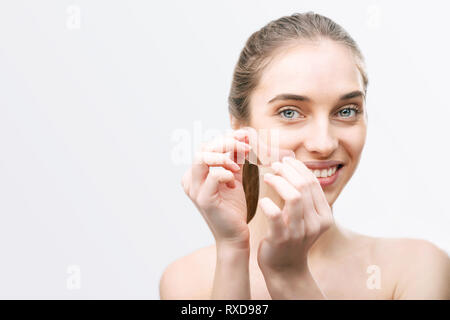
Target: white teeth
<point>325,172</point>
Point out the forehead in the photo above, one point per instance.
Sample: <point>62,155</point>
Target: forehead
<point>320,70</point>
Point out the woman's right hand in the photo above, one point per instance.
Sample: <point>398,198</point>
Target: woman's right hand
<point>219,194</point>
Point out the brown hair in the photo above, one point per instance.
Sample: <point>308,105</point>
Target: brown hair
<point>258,51</point>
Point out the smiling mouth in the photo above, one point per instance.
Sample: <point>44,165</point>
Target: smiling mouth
<point>327,172</point>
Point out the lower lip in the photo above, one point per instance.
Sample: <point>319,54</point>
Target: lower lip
<point>329,180</point>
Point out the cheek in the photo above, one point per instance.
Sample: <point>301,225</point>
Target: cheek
<point>353,140</point>
<point>289,139</point>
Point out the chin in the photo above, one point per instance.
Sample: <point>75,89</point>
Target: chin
<point>332,199</point>
<point>332,192</point>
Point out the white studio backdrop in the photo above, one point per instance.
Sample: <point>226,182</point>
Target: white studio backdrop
<point>93,95</point>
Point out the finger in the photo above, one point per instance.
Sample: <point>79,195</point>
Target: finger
<point>275,218</point>
<point>265,146</point>
<point>226,144</point>
<point>186,181</point>
<point>216,159</point>
<point>240,155</point>
<point>202,162</point>
<point>320,201</point>
<point>301,184</point>
<point>212,182</point>
<point>309,181</point>
<point>296,179</point>
<point>298,182</point>
<point>300,167</point>
<point>249,135</point>
<point>241,135</point>
<point>291,196</point>
<point>236,149</point>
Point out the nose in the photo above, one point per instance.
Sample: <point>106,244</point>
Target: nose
<point>319,139</point>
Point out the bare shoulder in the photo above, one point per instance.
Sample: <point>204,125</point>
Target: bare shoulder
<point>421,268</point>
<point>399,251</point>
<point>410,268</point>
<point>189,277</point>
<point>410,251</point>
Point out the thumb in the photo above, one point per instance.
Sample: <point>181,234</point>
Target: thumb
<point>274,217</point>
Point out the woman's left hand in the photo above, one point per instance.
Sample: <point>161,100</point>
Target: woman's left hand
<point>293,230</point>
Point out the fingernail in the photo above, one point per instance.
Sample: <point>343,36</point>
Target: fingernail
<point>276,165</point>
<point>268,175</point>
<point>241,133</point>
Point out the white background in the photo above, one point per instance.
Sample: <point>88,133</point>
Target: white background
<point>88,117</point>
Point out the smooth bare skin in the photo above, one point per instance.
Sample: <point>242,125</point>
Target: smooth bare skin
<point>220,198</point>
<point>338,259</point>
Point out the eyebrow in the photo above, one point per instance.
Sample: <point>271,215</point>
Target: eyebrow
<point>290,96</point>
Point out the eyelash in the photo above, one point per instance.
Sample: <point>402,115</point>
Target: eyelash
<point>353,107</point>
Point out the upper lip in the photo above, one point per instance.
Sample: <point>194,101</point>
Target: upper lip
<point>322,164</point>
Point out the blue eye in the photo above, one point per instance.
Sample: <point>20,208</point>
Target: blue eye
<point>347,112</point>
<point>288,113</point>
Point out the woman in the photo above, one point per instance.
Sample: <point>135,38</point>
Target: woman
<point>303,77</point>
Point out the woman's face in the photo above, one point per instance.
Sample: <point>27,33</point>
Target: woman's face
<point>313,95</point>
